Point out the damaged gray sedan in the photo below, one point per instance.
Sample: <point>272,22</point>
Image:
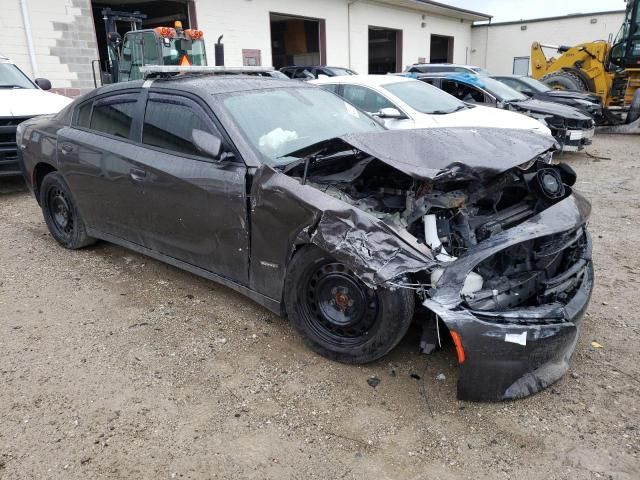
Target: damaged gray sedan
<point>293,197</point>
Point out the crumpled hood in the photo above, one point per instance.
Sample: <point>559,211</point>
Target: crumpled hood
<point>28,102</point>
<point>550,108</point>
<point>432,153</point>
<point>590,97</point>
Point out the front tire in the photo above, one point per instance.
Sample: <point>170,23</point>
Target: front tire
<point>337,315</point>
<point>563,80</point>
<point>61,214</point>
<point>634,110</point>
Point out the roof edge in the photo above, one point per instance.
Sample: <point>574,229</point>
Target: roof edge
<point>546,19</point>
<point>455,9</point>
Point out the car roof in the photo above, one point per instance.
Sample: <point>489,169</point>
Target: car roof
<point>210,84</point>
<point>370,80</point>
<point>509,76</point>
<point>314,66</point>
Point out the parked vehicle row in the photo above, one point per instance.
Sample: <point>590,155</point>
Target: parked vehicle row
<point>403,103</point>
<point>302,201</point>
<point>569,126</point>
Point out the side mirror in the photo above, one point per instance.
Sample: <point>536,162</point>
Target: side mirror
<point>390,113</point>
<point>43,83</point>
<point>528,93</point>
<point>207,143</point>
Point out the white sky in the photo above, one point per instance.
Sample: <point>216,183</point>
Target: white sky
<point>505,10</point>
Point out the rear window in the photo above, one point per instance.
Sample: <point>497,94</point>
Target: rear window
<point>112,115</point>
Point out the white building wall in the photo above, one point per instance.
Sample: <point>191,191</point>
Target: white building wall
<point>245,25</point>
<point>495,46</point>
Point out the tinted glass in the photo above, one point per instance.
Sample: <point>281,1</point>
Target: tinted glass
<point>169,124</point>
<point>424,98</point>
<point>83,117</point>
<point>463,92</point>
<point>113,116</point>
<point>280,121</point>
<point>535,85</point>
<point>366,99</point>
<point>502,92</point>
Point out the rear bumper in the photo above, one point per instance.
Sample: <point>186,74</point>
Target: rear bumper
<point>517,352</point>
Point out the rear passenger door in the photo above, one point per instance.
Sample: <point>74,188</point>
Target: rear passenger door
<point>96,155</point>
<point>192,207</point>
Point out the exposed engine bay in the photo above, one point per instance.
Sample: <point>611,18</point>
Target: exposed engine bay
<point>455,212</point>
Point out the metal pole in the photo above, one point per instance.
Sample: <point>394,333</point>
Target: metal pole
<point>27,31</point>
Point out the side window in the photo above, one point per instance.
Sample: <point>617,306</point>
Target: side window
<point>113,115</point>
<point>366,99</point>
<point>463,92</point>
<point>169,123</point>
<point>83,115</point>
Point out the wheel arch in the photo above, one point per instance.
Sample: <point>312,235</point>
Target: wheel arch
<point>40,171</point>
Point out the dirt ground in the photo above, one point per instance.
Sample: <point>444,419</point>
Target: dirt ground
<point>113,365</point>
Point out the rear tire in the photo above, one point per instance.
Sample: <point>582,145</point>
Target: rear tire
<point>61,214</point>
<point>562,80</point>
<point>634,110</point>
<point>337,315</point>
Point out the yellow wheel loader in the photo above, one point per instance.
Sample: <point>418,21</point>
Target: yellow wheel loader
<point>610,70</point>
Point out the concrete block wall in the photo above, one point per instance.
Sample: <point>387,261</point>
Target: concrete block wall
<point>63,38</point>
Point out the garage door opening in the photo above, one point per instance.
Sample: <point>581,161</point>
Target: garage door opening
<point>441,49</point>
<point>297,40</point>
<point>385,50</point>
<point>149,14</point>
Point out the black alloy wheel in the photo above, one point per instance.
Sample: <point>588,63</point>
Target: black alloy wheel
<point>340,308</point>
<point>61,214</point>
<point>338,315</point>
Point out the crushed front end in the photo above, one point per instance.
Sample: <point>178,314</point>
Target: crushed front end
<point>506,256</point>
<point>516,334</point>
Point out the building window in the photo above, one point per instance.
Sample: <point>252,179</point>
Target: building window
<point>521,66</point>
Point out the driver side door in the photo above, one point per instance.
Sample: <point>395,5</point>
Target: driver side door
<point>191,207</point>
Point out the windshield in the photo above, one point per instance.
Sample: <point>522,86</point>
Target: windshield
<point>502,92</point>
<point>12,77</point>
<point>341,71</point>
<point>425,98</point>
<point>537,85</point>
<point>280,121</point>
<point>174,49</point>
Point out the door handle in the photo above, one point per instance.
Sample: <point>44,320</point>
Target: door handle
<point>137,174</point>
<point>66,148</point>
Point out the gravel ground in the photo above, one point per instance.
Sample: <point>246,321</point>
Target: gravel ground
<point>113,365</point>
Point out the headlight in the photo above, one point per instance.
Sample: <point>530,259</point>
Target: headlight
<point>548,182</point>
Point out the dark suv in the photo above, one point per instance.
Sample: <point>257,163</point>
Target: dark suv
<point>290,195</point>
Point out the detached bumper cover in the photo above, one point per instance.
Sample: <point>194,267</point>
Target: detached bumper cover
<point>518,352</point>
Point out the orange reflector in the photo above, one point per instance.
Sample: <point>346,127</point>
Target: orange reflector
<point>177,24</point>
<point>458,343</point>
<point>184,61</point>
<point>166,32</point>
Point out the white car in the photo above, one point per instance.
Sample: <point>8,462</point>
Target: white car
<point>402,102</point>
<point>21,99</point>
